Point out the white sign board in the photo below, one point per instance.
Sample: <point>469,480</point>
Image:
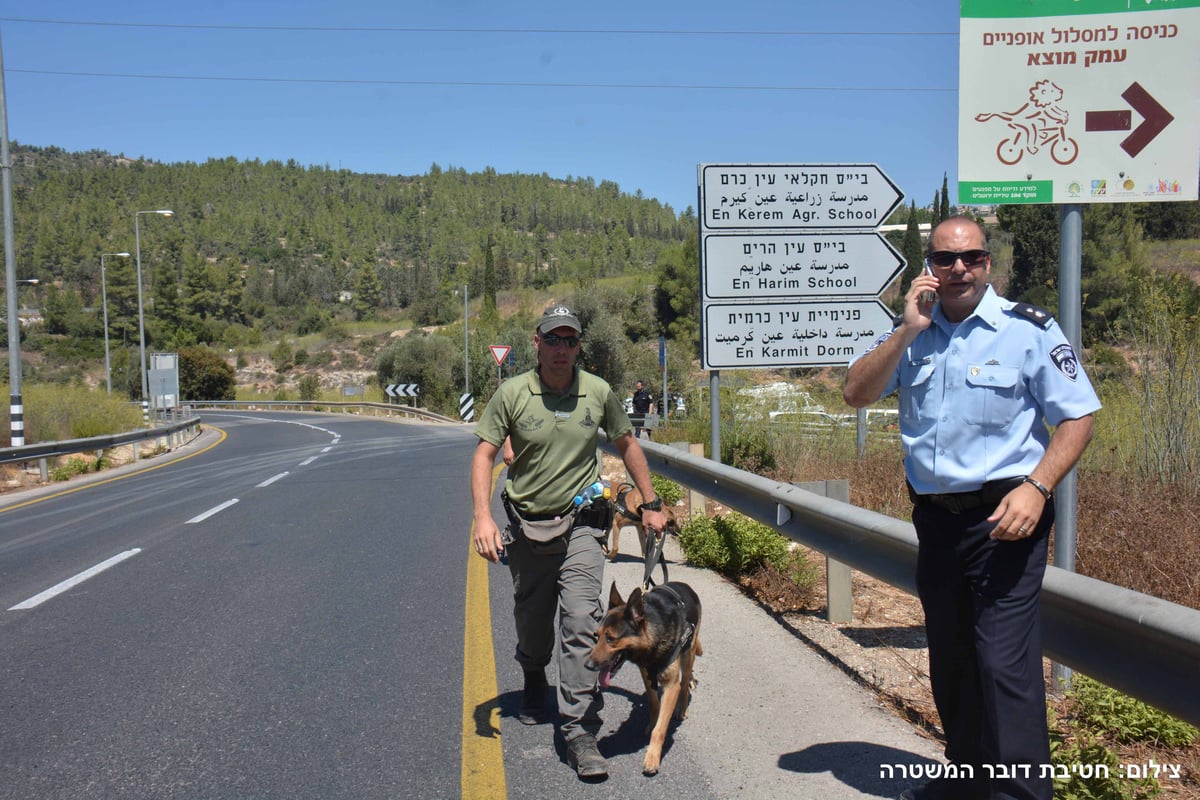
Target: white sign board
<point>1078,101</point>
<point>791,196</point>
<point>812,334</point>
<point>773,266</point>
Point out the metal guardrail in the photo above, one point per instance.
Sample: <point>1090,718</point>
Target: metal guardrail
<point>1144,646</point>
<point>44,450</point>
<point>317,405</point>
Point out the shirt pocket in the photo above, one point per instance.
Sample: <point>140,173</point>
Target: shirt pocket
<point>994,397</point>
<point>915,386</point>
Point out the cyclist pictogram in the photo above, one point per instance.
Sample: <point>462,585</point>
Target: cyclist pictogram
<point>1041,121</point>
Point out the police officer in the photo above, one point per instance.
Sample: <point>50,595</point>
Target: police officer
<point>980,378</point>
<point>641,406</point>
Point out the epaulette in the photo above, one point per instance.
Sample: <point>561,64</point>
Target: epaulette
<point>1034,314</point>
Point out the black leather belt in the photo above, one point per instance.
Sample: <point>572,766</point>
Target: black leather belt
<point>990,494</point>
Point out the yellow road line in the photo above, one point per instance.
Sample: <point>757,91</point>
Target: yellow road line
<point>482,751</point>
<point>90,484</point>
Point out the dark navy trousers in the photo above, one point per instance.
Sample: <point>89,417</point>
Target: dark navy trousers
<point>983,623</point>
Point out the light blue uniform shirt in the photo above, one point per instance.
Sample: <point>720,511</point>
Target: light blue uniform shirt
<point>976,397</point>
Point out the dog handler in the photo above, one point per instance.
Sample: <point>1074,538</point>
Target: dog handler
<point>980,377</point>
<point>551,416</point>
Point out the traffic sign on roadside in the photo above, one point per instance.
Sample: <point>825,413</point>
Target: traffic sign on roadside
<point>402,389</point>
<point>810,334</point>
<point>774,266</point>
<point>499,352</point>
<point>1091,101</point>
<point>795,196</point>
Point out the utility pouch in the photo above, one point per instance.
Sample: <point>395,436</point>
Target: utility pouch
<point>598,515</point>
<point>545,536</point>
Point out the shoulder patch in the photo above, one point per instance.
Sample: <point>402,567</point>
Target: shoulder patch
<point>1034,314</point>
<point>1064,358</point>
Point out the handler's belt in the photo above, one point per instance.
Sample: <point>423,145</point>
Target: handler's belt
<point>990,494</point>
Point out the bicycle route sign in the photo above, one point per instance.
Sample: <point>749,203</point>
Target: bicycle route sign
<point>1079,101</point>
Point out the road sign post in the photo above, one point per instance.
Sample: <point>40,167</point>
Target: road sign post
<point>499,353</point>
<point>791,263</point>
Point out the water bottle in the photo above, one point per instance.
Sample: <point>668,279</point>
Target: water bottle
<point>598,489</point>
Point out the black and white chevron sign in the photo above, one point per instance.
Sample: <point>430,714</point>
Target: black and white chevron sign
<point>402,390</point>
<point>466,407</point>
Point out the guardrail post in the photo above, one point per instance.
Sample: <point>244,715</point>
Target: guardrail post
<point>838,591</point>
<point>44,469</point>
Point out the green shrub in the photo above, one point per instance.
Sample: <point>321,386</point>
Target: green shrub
<point>733,544</point>
<point>670,491</point>
<point>1107,711</point>
<point>74,466</point>
<point>749,449</point>
<point>1087,770</point>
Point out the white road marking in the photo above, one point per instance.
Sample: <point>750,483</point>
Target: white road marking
<point>308,461</point>
<point>58,589</point>
<point>271,480</point>
<point>211,511</point>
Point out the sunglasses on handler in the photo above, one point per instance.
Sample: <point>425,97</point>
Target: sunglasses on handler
<point>944,259</point>
<point>553,340</point>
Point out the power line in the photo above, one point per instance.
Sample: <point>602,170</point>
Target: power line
<point>401,29</point>
<point>489,84</point>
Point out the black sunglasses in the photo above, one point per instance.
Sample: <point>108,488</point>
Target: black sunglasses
<point>553,339</point>
<point>946,258</point>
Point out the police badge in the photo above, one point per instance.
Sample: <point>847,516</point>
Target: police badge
<point>1064,358</point>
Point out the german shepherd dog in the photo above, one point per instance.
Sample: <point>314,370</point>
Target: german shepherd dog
<point>626,504</point>
<point>658,630</point>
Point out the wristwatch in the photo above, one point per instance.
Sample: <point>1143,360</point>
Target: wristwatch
<point>653,505</point>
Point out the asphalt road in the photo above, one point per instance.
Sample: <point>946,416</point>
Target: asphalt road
<point>284,614</point>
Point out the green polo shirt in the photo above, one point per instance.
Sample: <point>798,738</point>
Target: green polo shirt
<point>553,436</point>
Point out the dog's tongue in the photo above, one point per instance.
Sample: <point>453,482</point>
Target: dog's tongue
<point>605,679</point>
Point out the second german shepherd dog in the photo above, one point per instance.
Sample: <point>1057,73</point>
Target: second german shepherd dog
<point>658,630</point>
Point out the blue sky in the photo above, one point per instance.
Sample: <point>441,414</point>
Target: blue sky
<point>634,92</point>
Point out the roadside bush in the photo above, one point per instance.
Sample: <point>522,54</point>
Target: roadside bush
<point>732,544</point>
<point>1107,711</point>
<point>670,491</point>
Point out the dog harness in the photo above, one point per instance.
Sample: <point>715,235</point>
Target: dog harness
<point>688,633</point>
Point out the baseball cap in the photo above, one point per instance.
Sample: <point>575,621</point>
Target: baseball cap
<point>559,317</point>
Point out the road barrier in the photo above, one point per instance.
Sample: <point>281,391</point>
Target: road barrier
<point>1144,646</point>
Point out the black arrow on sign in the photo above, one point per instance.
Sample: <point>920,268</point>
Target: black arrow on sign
<point>1154,119</point>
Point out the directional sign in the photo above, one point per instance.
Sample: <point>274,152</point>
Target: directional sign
<point>466,407</point>
<point>795,196</point>
<point>499,352</point>
<point>785,335</point>
<point>798,265</point>
<point>1154,119</point>
<point>402,389</point>
<point>1088,101</point>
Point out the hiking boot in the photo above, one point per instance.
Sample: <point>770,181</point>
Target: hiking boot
<point>533,699</point>
<point>585,757</point>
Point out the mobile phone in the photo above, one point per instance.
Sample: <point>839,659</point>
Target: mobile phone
<point>928,297</point>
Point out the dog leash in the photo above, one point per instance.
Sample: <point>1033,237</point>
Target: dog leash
<point>655,540</point>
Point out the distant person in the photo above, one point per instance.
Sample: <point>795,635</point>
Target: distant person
<point>545,422</point>
<point>642,402</point>
<point>980,378</point>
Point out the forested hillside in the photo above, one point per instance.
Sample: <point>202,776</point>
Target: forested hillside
<point>270,245</point>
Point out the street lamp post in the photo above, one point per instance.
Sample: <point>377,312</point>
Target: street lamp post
<point>104,300</point>
<point>137,238</point>
<point>466,344</point>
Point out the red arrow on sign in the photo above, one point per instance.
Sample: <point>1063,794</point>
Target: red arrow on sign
<point>499,352</point>
<point>1154,116</point>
